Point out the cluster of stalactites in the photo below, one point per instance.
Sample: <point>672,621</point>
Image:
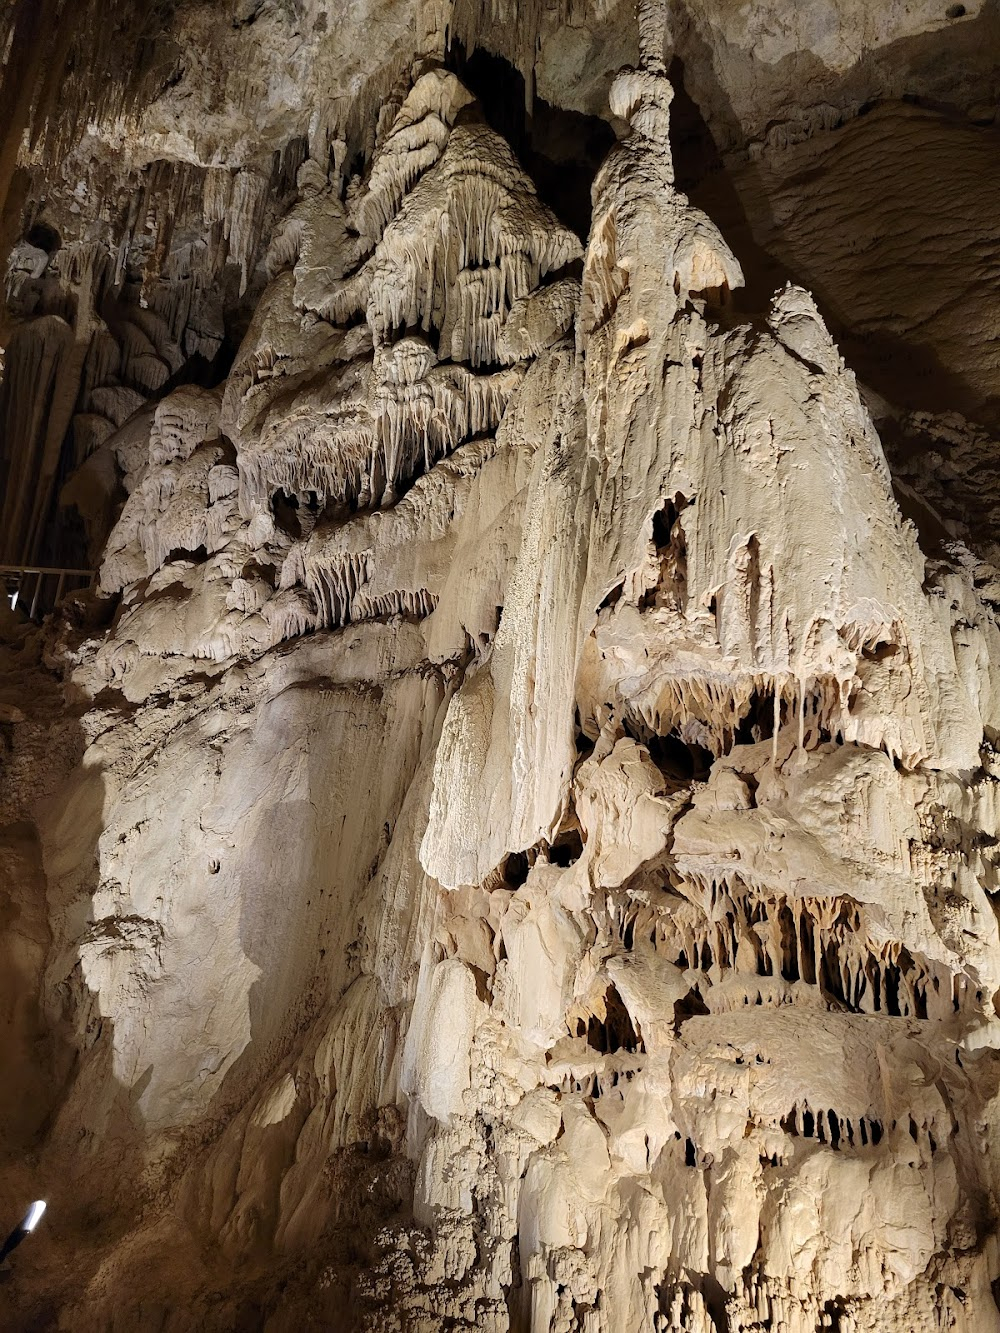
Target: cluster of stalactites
<point>394,427</point>
<point>184,495</point>
<point>459,236</point>
<point>236,202</point>
<point>442,249</point>
<point>336,462</point>
<point>762,1302</point>
<point>224,210</point>
<point>407,146</point>
<point>744,947</point>
<point>420,420</point>
<point>76,64</point>
<point>710,708</point>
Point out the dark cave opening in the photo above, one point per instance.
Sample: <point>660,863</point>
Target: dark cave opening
<point>515,870</point>
<point>198,556</point>
<point>679,760</point>
<point>44,237</point>
<point>615,1031</point>
<point>561,150</point>
<point>567,848</point>
<point>285,508</point>
<point>757,723</point>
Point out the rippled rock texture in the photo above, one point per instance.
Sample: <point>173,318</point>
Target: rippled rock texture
<point>509,839</point>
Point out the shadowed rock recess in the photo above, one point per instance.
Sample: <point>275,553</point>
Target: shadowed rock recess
<point>500,796</point>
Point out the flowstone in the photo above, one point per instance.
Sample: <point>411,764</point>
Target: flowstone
<point>532,860</point>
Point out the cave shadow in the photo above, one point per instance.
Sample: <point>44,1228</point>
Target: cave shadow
<point>911,375</point>
<point>720,175</point>
<point>701,173</point>
<point>58,1048</point>
<point>65,542</point>
<point>560,149</point>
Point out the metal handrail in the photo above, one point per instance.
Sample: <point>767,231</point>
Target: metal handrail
<point>41,572</point>
<point>45,569</point>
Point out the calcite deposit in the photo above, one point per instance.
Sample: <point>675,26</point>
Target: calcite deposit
<point>507,840</point>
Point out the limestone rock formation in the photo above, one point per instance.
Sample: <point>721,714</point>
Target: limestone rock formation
<point>508,840</point>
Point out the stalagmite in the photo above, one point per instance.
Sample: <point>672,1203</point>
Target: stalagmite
<point>500,703</point>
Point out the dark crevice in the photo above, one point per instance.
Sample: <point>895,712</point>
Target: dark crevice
<point>677,760</point>
<point>199,555</point>
<point>285,509</point>
<point>514,869</point>
<point>561,150</point>
<point>567,848</point>
<point>668,537</point>
<point>615,1031</point>
<point>44,237</point>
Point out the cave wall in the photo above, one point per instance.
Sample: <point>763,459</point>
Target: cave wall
<point>508,840</point>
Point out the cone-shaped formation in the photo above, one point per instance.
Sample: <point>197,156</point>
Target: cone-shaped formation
<point>533,858</point>
<point>433,249</point>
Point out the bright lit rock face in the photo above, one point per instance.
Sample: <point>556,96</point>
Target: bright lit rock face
<point>509,841</point>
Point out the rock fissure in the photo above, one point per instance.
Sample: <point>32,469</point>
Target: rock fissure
<point>508,840</point>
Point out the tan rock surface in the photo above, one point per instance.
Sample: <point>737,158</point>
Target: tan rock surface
<point>509,841</point>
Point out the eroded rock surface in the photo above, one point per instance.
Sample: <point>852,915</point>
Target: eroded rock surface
<point>509,841</point>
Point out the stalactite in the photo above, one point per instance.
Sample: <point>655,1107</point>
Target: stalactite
<point>536,835</point>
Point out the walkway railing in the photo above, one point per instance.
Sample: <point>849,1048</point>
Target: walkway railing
<point>19,580</point>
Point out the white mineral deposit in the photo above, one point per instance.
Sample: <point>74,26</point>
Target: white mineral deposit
<point>500,666</point>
